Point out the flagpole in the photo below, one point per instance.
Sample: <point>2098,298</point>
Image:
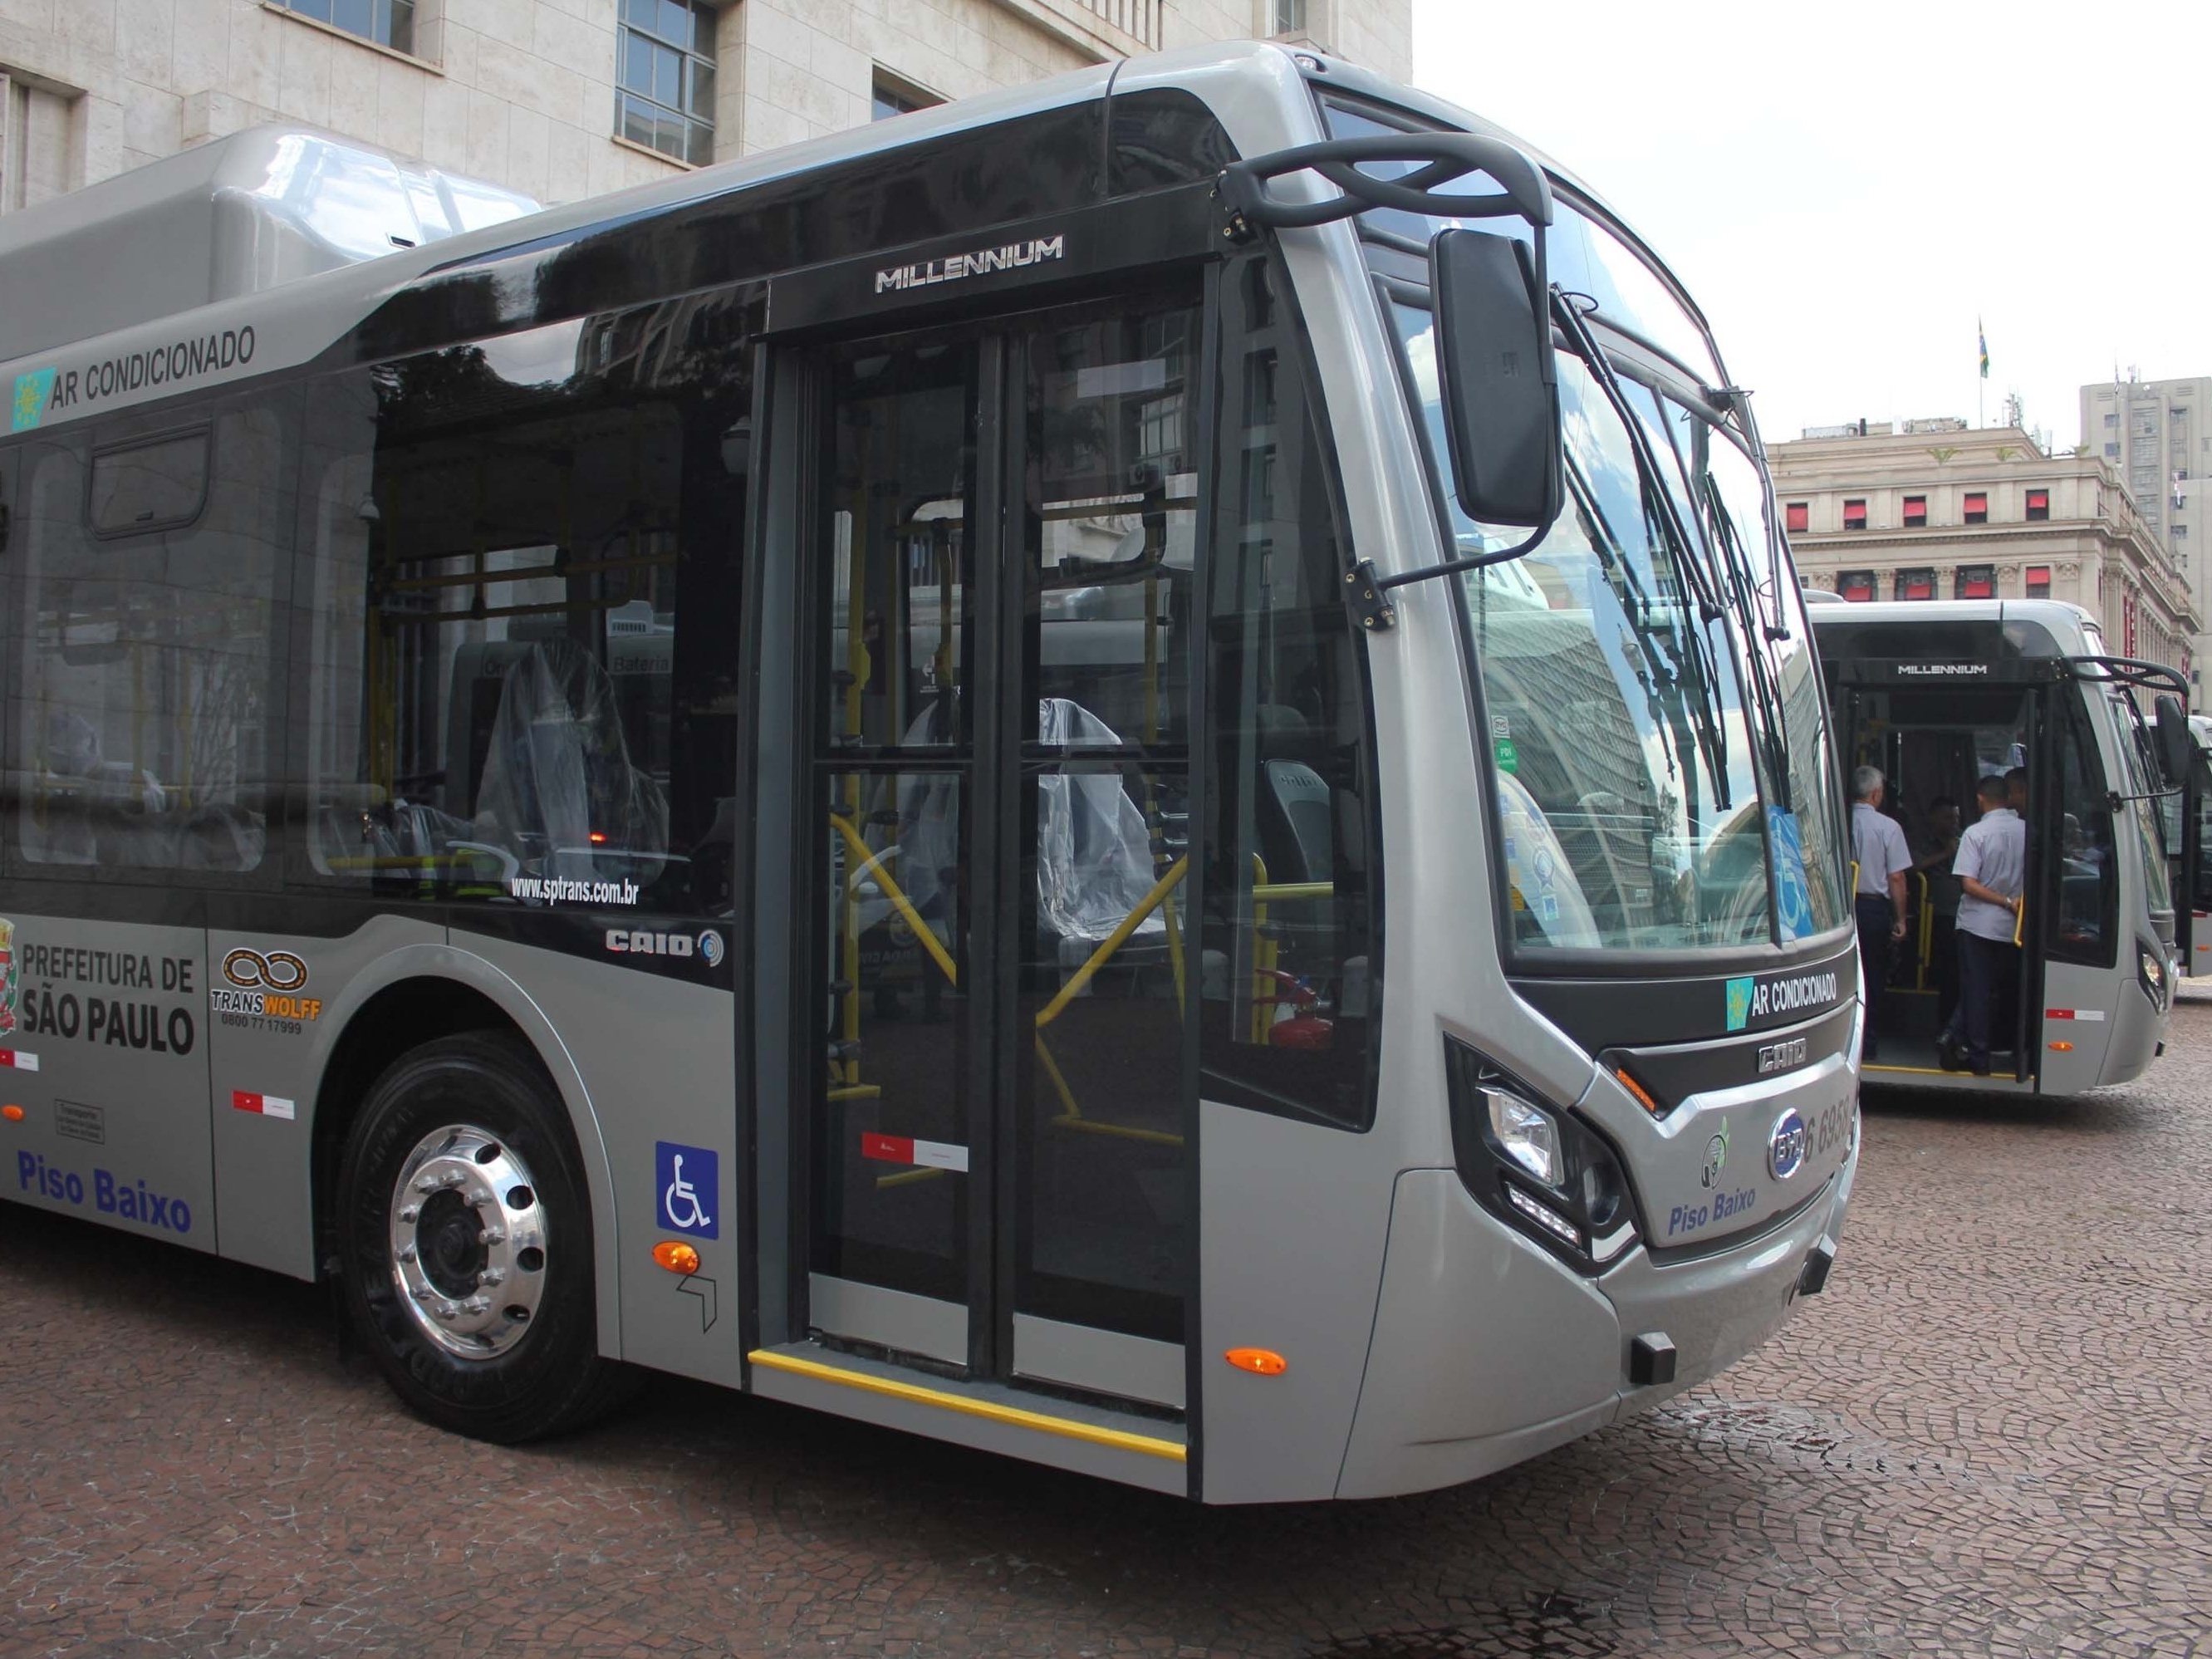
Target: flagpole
<point>1981,383</point>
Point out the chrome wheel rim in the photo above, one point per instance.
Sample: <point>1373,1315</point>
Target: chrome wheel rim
<point>468,1242</point>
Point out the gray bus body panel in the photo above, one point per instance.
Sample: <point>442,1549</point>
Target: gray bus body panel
<point>109,1062</point>
<point>264,1159</point>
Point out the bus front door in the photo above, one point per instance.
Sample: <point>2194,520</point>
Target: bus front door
<point>999,587</point>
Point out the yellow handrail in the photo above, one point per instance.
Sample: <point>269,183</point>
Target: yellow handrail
<point>1113,942</point>
<point>873,865</point>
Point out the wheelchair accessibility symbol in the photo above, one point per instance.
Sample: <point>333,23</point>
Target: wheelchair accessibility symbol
<point>684,1180</point>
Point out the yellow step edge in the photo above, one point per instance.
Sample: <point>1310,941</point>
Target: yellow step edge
<point>1932,1070</point>
<point>1145,1445</point>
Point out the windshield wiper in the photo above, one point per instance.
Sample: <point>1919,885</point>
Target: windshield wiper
<point>1773,713</point>
<point>1690,679</point>
<point>1690,574</point>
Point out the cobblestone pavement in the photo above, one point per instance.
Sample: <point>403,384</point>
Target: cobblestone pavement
<point>1993,1436</point>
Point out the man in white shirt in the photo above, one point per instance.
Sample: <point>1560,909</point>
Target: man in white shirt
<point>1992,871</point>
<point>1879,846</point>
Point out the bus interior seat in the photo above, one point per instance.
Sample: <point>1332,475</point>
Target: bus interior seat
<point>558,782</point>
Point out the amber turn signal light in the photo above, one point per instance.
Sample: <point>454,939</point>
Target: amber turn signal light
<point>1643,1094</point>
<point>676,1257</point>
<point>2064,1047</point>
<point>1260,1362</point>
<point>13,1113</point>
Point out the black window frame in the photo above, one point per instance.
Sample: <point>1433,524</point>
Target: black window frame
<point>1297,374</point>
<point>1864,518</point>
<point>201,429</point>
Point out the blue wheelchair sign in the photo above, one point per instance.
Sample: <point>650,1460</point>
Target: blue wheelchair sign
<point>686,1195</point>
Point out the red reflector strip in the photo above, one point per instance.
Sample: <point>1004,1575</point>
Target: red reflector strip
<point>19,1060</point>
<point>903,1149</point>
<point>267,1105</point>
<point>2073,1013</point>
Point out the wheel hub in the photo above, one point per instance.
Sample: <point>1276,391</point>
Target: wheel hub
<point>468,1240</point>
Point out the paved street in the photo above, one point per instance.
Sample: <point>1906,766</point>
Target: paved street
<point>1994,1436</point>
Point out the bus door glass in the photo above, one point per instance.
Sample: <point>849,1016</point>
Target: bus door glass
<point>1003,603</point>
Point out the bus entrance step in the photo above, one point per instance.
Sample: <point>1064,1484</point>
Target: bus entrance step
<point>1070,1434</point>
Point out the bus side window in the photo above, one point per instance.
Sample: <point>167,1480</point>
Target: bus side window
<point>2089,886</point>
<point>149,649</point>
<point>523,593</point>
<point>1290,976</point>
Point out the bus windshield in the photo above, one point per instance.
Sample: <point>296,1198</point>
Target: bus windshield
<point>1653,791</point>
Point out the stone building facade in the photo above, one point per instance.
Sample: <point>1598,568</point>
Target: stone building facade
<point>564,99</point>
<point>1939,511</point>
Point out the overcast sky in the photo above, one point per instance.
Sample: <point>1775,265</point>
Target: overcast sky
<point>1844,189</point>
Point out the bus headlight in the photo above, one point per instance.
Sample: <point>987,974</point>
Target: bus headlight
<point>1540,1168</point>
<point>2156,983</point>
<point>1526,1134</point>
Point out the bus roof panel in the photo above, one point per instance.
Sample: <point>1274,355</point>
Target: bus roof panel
<point>224,220</point>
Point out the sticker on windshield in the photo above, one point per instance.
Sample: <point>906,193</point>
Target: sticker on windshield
<point>1793,896</point>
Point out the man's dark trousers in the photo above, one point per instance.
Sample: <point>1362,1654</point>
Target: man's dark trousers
<point>1987,970</point>
<point>1876,915</point>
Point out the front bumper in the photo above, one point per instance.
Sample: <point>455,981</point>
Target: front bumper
<point>1487,1350</point>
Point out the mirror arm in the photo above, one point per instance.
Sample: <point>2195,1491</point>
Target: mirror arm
<point>1368,586</point>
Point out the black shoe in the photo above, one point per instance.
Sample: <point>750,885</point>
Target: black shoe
<point>1980,1068</point>
<point>1950,1056</point>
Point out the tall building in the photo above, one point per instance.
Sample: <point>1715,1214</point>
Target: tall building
<point>1937,510</point>
<point>2157,435</point>
<point>563,99</point>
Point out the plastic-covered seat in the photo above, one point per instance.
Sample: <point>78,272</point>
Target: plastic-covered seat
<point>559,789</point>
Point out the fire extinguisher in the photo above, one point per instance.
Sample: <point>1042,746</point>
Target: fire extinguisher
<point>1307,1027</point>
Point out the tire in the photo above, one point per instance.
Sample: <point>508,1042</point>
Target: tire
<point>465,1234</point>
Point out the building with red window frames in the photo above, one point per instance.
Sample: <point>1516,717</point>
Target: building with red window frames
<point>1939,511</point>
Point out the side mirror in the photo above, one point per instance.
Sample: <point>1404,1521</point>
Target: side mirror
<point>2177,744</point>
<point>1501,392</point>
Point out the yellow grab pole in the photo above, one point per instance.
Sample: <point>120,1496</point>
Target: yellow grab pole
<point>1113,942</point>
<point>872,864</point>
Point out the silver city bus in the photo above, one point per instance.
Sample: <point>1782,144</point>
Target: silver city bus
<point>1128,773</point>
<point>1940,694</point>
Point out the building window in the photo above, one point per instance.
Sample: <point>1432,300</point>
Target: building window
<point>1290,16</point>
<point>897,98</point>
<point>2111,422</point>
<point>666,100</point>
<point>2179,532</point>
<point>1856,586</point>
<point>1978,509</point>
<point>1916,512</point>
<point>1797,515</point>
<point>1916,584</point>
<point>2112,452</point>
<point>1977,582</point>
<point>2038,505</point>
<point>1854,515</point>
<point>388,22</point>
<point>2038,585</point>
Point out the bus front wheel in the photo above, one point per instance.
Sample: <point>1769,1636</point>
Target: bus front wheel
<point>466,1239</point>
